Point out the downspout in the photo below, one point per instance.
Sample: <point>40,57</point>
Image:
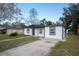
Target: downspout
<point>62,33</point>
<point>44,32</point>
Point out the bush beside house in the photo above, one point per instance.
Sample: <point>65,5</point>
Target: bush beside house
<point>14,34</point>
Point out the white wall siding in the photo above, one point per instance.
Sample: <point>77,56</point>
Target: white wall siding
<point>26,33</point>
<point>58,32</point>
<point>39,34</point>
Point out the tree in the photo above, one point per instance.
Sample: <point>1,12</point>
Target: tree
<point>49,23</point>
<point>43,22</point>
<point>33,16</point>
<point>71,17</point>
<point>46,23</point>
<point>22,25</point>
<point>58,23</point>
<point>6,24</point>
<point>9,11</point>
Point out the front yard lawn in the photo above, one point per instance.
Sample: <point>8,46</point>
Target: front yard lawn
<point>4,37</point>
<point>17,42</point>
<point>67,48</point>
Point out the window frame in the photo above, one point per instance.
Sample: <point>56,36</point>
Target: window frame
<point>28,30</point>
<point>52,31</point>
<point>40,31</point>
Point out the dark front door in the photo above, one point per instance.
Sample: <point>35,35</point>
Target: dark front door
<point>33,31</point>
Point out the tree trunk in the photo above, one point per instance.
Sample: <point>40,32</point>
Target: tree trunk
<point>75,32</point>
<point>75,27</point>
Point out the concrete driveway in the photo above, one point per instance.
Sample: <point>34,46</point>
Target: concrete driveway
<point>41,47</point>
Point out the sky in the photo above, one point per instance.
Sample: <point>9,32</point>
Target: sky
<point>49,11</point>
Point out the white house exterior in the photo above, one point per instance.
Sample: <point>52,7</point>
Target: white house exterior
<point>57,32</point>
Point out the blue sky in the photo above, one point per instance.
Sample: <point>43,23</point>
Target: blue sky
<point>50,11</point>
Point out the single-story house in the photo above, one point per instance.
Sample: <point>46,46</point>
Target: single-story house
<point>12,30</point>
<point>57,32</point>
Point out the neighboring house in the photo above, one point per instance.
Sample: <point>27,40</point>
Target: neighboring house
<point>57,32</point>
<point>18,30</point>
<point>2,30</point>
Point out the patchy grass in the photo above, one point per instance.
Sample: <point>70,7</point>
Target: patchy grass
<point>67,48</point>
<point>4,37</point>
<point>14,43</point>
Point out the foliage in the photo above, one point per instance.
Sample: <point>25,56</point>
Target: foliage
<point>3,31</point>
<point>46,23</point>
<point>33,20</point>
<point>49,23</point>
<point>5,36</point>
<point>68,48</point>
<point>71,17</point>
<point>9,11</point>
<point>16,25</point>
<point>16,42</point>
<point>14,34</point>
<point>43,22</point>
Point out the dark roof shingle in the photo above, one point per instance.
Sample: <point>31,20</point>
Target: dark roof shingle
<point>35,26</point>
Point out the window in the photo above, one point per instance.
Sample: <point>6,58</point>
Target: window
<point>52,31</point>
<point>28,30</point>
<point>40,30</point>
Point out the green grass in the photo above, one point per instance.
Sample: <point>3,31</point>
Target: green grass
<point>4,37</point>
<point>67,48</point>
<point>17,42</point>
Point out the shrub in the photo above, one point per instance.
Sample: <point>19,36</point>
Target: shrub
<point>14,34</point>
<point>4,31</point>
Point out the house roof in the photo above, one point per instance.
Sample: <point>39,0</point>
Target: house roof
<point>41,26</point>
<point>35,26</point>
<point>15,27</point>
<point>55,25</point>
<point>2,28</point>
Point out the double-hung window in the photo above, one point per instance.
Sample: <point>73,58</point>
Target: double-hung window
<point>40,30</point>
<point>28,30</point>
<point>52,30</point>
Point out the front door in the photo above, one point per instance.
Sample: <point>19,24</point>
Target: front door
<point>33,31</point>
